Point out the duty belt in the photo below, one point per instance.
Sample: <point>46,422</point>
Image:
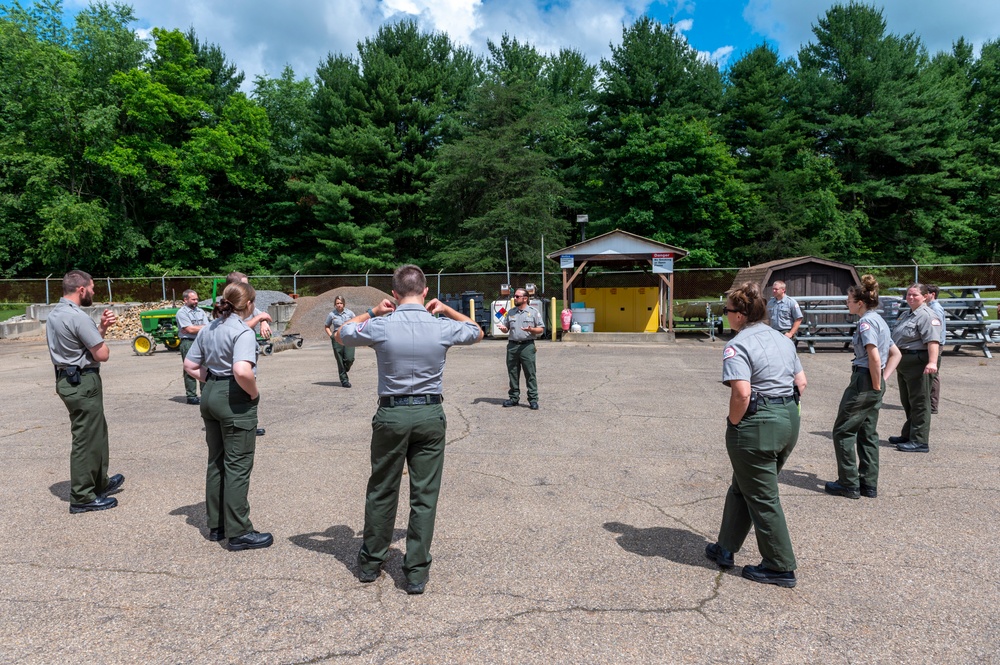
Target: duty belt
<point>770,399</point>
<point>409,400</point>
<point>61,373</point>
<point>523,341</point>
<point>913,352</point>
<point>219,377</point>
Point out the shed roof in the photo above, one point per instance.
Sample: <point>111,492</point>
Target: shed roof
<point>761,273</point>
<point>618,246</point>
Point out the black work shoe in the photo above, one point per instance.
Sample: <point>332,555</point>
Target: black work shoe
<point>415,588</point>
<point>837,489</point>
<point>509,402</point>
<point>896,440</point>
<point>100,503</point>
<point>194,400</point>
<point>367,577</point>
<point>250,541</point>
<point>768,576</point>
<point>868,491</point>
<point>216,535</point>
<point>533,405</point>
<point>345,384</point>
<point>114,485</point>
<point>260,431</point>
<point>720,555</point>
<point>913,447</point>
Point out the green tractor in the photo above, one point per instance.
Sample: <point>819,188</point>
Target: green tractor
<point>158,326</point>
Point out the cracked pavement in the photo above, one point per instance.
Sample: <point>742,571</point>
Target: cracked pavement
<point>571,534</point>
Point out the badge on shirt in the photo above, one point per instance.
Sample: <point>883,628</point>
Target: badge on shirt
<point>864,327</point>
<point>361,326</point>
<point>935,322</point>
<point>728,353</point>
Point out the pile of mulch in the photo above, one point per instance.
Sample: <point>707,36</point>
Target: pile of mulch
<point>311,311</point>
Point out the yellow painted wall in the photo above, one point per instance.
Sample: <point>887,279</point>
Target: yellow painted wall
<point>622,309</point>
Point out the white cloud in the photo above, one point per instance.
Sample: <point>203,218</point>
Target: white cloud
<point>262,37</point>
<point>719,56</point>
<point>684,25</point>
<point>938,24</point>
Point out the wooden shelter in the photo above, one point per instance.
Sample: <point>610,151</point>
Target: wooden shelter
<point>804,276</point>
<point>621,249</point>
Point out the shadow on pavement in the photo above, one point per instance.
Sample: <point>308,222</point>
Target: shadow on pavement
<point>677,545</point>
<point>343,543</point>
<point>803,480</point>
<point>329,384</point>
<point>60,490</point>
<point>492,400</point>
<point>196,515</point>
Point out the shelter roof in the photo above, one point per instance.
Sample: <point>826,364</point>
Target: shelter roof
<point>761,273</point>
<point>618,245</point>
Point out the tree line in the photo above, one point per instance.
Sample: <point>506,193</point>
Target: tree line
<point>129,157</point>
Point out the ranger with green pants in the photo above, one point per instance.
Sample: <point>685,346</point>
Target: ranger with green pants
<point>855,432</point>
<point>523,324</point>
<point>77,349</point>
<point>765,378</point>
<point>190,319</point>
<point>409,427</point>
<point>917,333</point>
<point>344,354</point>
<point>224,358</point>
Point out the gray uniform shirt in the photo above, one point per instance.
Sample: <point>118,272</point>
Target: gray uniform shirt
<point>517,318</point>
<point>256,312</point>
<point>915,328</point>
<point>783,313</point>
<point>765,358</point>
<point>222,343</point>
<point>410,347</point>
<point>872,329</point>
<point>939,311</point>
<point>334,319</point>
<point>190,316</point>
<point>71,333</point>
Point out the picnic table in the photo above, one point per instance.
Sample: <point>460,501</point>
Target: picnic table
<point>825,319</point>
<point>699,315</point>
<point>965,316</point>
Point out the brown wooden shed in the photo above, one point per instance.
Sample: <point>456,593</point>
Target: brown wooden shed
<point>804,276</point>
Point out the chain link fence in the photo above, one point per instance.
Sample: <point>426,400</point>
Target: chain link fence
<point>689,284</point>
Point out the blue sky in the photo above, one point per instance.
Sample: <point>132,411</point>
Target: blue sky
<point>262,36</point>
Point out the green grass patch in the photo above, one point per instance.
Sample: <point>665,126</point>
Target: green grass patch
<point>9,310</point>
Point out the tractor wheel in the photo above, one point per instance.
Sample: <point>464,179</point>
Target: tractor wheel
<point>172,344</point>
<point>143,345</point>
<point>298,343</point>
<point>267,349</point>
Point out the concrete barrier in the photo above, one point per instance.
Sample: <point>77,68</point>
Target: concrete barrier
<point>41,312</point>
<point>22,328</point>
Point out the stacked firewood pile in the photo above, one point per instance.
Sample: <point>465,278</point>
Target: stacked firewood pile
<point>128,325</point>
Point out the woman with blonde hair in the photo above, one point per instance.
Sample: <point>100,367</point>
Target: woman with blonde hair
<point>224,358</point>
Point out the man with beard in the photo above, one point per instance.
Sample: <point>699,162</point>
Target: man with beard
<point>77,349</point>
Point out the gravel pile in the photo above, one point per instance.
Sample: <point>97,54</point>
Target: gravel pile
<point>128,325</point>
<point>264,299</point>
<point>311,311</point>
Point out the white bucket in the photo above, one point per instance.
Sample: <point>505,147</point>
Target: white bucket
<point>585,317</point>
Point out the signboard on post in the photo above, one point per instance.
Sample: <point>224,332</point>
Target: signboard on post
<point>663,263</point>
<point>565,261</point>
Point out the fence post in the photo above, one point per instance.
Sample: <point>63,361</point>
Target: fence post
<point>366,276</point>
<point>163,285</point>
<point>295,282</point>
<point>439,282</point>
<point>47,301</point>
<point>109,291</point>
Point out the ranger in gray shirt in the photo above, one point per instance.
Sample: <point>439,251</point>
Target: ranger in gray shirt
<point>77,349</point>
<point>525,324</point>
<point>783,312</point>
<point>917,333</point>
<point>190,319</point>
<point>409,427</point>
<point>932,302</point>
<point>343,354</point>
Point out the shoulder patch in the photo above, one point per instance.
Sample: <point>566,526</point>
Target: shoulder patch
<point>864,326</point>
<point>728,353</point>
<point>935,322</point>
<point>361,326</point>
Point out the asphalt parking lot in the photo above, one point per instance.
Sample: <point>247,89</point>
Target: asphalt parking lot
<point>568,535</point>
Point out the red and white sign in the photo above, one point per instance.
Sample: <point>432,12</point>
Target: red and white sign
<point>663,262</point>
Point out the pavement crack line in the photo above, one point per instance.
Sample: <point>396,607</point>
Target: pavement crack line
<point>467,427</point>
<point>98,569</point>
<point>22,431</point>
<point>653,506</point>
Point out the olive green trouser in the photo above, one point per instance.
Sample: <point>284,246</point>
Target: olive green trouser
<point>856,428</point>
<point>231,433</point>
<point>190,383</point>
<point>915,396</point>
<point>936,383</point>
<point>758,447</point>
<point>414,435</point>
<point>345,359</point>
<point>521,355</point>
<point>88,458</point>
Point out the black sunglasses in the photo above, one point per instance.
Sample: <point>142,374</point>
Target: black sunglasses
<point>726,310</point>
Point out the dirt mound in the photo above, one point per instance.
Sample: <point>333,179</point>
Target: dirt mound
<point>311,311</point>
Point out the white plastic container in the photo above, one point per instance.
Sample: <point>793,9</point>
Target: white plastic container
<point>585,317</point>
